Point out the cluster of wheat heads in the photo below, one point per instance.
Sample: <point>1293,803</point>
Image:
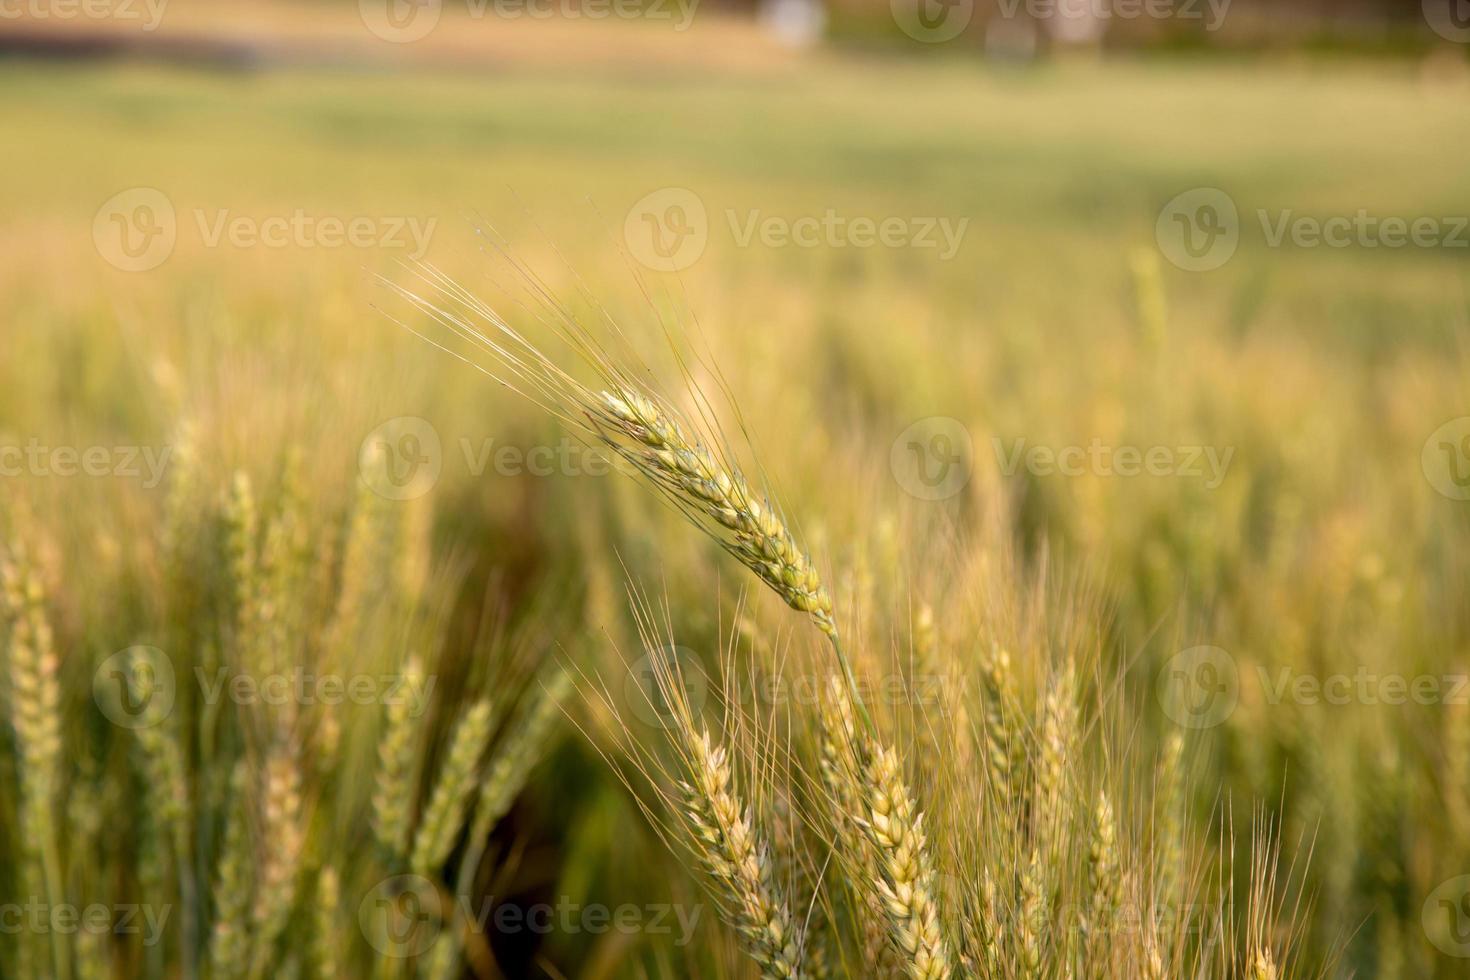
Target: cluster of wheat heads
<point>1041,840</point>
<point>268,772</point>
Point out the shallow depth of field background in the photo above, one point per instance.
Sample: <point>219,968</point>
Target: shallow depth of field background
<point>1335,544</point>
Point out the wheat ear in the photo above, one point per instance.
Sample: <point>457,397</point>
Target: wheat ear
<point>998,685</point>
<point>1035,915</point>
<point>35,709</point>
<point>1168,833</point>
<point>281,826</point>
<point>655,442</point>
<point>326,941</point>
<point>1103,881</point>
<point>516,754</point>
<point>714,495</point>
<point>230,940</point>
<point>842,773</point>
<point>738,861</point>
<point>906,878</point>
<point>163,761</point>
<point>1058,750</point>
<point>393,791</point>
<point>446,807</point>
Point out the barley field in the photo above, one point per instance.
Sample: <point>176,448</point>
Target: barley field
<point>708,511</point>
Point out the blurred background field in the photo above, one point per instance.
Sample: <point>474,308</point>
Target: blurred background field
<point>1329,546</point>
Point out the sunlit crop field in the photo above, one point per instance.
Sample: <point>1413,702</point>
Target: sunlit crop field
<point>1226,507</point>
